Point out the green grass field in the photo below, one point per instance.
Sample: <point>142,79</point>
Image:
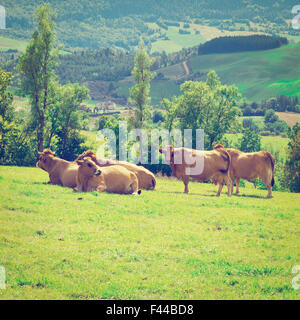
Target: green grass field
<point>258,75</point>
<point>14,44</point>
<point>58,244</point>
<point>177,41</point>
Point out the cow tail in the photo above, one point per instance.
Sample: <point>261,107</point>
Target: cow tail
<point>226,157</point>
<point>272,161</point>
<point>153,183</point>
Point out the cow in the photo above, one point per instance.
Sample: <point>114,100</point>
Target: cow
<point>199,165</point>
<point>250,166</point>
<point>113,179</point>
<point>145,177</point>
<point>61,172</point>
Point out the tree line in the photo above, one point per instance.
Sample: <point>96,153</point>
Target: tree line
<point>230,44</point>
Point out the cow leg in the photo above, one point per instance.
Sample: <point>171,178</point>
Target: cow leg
<point>186,182</point>
<point>54,180</point>
<point>269,192</point>
<point>220,189</point>
<point>237,185</point>
<point>229,183</point>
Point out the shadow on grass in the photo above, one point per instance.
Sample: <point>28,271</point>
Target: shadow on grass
<point>41,183</point>
<point>249,196</point>
<point>191,194</point>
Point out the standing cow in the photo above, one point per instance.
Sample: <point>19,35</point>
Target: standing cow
<point>199,165</point>
<point>250,166</point>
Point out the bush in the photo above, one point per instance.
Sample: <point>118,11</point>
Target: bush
<point>292,165</point>
<point>251,141</point>
<point>158,116</point>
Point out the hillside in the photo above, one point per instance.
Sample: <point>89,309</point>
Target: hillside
<point>120,24</point>
<point>164,244</point>
<point>259,75</point>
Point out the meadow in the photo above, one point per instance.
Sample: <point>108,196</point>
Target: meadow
<point>163,244</point>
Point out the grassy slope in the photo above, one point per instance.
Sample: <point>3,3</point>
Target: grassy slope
<point>259,74</point>
<point>160,245</point>
<point>14,44</point>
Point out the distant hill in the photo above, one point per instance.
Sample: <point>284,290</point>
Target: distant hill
<point>259,75</point>
<point>121,23</point>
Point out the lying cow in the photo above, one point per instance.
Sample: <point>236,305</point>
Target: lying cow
<point>199,165</point>
<point>250,166</point>
<point>145,177</point>
<point>113,179</point>
<point>60,171</point>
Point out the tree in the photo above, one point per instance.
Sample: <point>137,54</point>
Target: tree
<point>6,109</point>
<point>69,118</point>
<point>139,93</point>
<point>208,105</point>
<point>250,124</point>
<point>292,165</point>
<point>251,141</point>
<point>270,116</point>
<point>36,66</point>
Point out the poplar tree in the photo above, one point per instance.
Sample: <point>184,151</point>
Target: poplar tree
<point>36,67</point>
<point>139,93</point>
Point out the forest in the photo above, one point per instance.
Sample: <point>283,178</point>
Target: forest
<point>121,23</point>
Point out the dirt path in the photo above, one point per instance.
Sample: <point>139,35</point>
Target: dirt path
<point>186,68</point>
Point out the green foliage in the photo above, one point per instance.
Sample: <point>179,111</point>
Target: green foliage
<point>139,93</point>
<point>65,119</point>
<point>36,66</point>
<point>249,123</point>
<point>292,165</point>
<point>273,124</point>
<point>270,116</point>
<point>241,43</point>
<point>251,141</point>
<point>158,116</point>
<point>208,105</point>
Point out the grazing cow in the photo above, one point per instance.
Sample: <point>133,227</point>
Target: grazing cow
<point>60,171</point>
<point>145,177</point>
<point>250,166</point>
<point>199,165</point>
<point>113,179</point>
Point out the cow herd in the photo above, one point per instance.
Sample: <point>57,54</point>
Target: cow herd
<point>220,165</point>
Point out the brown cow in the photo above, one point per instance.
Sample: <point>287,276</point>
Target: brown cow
<point>199,165</point>
<point>60,171</point>
<point>250,166</point>
<point>113,179</point>
<point>146,178</point>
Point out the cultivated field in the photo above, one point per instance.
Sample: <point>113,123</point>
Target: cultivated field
<point>58,244</point>
<point>290,118</point>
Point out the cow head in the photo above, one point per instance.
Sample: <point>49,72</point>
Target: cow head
<point>168,152</point>
<point>45,159</point>
<point>89,153</point>
<point>88,168</point>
